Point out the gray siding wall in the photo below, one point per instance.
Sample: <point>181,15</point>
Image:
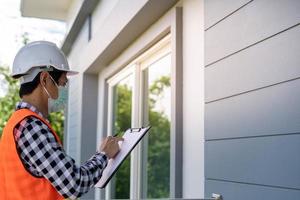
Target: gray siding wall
<point>252,99</point>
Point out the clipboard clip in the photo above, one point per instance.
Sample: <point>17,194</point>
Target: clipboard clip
<point>135,130</point>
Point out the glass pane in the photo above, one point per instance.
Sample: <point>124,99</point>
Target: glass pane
<point>121,122</point>
<point>157,78</point>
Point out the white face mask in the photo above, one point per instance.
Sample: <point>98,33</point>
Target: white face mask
<point>55,105</point>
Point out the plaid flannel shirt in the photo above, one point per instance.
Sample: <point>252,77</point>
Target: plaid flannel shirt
<point>42,156</point>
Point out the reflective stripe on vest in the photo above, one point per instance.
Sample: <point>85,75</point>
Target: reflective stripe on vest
<point>16,183</point>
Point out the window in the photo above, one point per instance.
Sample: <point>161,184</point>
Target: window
<point>120,98</point>
<point>157,113</point>
<point>143,87</point>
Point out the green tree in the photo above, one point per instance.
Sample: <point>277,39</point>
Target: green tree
<point>57,122</point>
<point>8,102</point>
<point>122,112</point>
<point>159,145</point>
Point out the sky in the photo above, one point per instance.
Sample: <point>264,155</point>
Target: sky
<point>13,26</point>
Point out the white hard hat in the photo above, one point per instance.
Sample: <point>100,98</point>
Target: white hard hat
<point>36,57</point>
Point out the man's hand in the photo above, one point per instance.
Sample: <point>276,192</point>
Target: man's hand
<point>110,146</point>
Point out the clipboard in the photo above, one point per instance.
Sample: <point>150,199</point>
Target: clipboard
<point>132,137</point>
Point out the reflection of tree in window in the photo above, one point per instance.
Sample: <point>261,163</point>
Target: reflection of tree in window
<point>159,148</point>
<point>122,122</point>
<point>123,110</point>
<point>159,142</point>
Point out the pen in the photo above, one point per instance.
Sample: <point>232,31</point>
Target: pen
<point>115,135</point>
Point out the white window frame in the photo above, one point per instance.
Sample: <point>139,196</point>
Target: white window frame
<point>173,28</point>
<point>160,50</point>
<point>111,83</point>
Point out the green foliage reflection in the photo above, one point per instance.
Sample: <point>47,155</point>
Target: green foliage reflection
<point>158,166</point>
<point>9,100</point>
<point>122,113</point>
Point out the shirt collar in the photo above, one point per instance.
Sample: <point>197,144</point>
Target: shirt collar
<point>23,104</point>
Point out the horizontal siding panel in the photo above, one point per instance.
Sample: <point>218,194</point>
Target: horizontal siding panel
<point>254,22</point>
<point>74,97</point>
<point>272,161</point>
<point>215,10</point>
<point>267,63</point>
<point>72,146</point>
<point>272,110</point>
<point>73,115</point>
<point>74,90</point>
<point>235,191</point>
<point>74,85</point>
<point>74,104</point>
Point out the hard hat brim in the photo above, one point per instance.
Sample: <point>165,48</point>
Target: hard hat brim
<point>71,73</point>
<point>34,71</point>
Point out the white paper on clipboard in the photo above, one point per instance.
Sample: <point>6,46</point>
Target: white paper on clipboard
<point>131,138</point>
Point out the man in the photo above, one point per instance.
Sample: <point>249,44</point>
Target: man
<point>33,164</point>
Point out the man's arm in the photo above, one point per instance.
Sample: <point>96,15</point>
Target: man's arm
<point>40,151</point>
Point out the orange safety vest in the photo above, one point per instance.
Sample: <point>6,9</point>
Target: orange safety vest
<point>16,183</point>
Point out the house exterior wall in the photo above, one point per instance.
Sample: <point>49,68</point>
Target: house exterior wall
<point>193,98</point>
<point>75,102</point>
<point>76,83</point>
<point>101,12</point>
<point>243,56</point>
<point>72,13</point>
<point>82,113</point>
<point>83,55</point>
<point>252,98</point>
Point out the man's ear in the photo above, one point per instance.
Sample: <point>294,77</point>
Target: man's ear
<point>43,78</point>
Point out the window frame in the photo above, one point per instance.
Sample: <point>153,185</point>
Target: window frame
<point>173,28</point>
<point>111,83</point>
<point>160,50</point>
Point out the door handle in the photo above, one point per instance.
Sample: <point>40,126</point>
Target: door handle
<point>214,197</point>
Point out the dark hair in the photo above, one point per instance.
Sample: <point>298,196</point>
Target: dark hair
<point>28,88</point>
